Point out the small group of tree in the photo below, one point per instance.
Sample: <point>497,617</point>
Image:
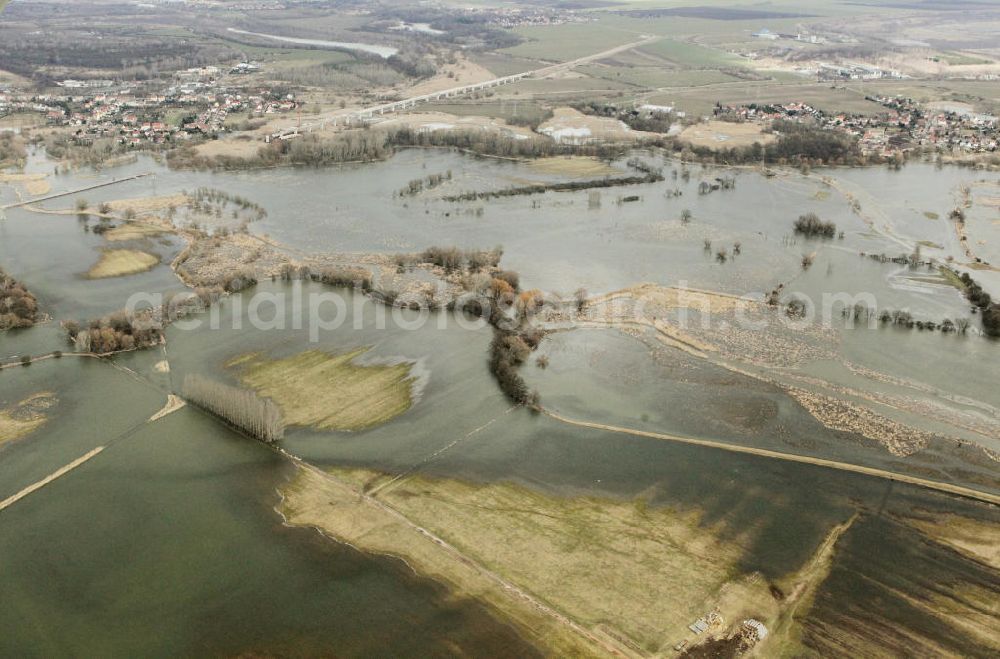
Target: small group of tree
<point>113,333</point>
<point>212,201</point>
<point>508,350</point>
<point>722,254</point>
<point>720,183</point>
<point>418,185</point>
<point>560,186</point>
<point>650,121</point>
<point>989,311</point>
<point>12,151</point>
<point>810,225</point>
<point>18,306</point>
<point>905,320</point>
<point>640,165</point>
<point>244,409</point>
<point>339,277</point>
<point>347,278</point>
<point>239,280</point>
<point>795,308</point>
<point>913,259</point>
<point>453,259</point>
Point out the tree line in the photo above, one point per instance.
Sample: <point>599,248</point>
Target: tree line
<point>989,311</point>
<point>244,409</point>
<point>561,186</point>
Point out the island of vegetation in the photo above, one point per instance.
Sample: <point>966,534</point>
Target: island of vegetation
<point>331,391</point>
<point>26,416</point>
<point>122,262</point>
<point>18,307</point>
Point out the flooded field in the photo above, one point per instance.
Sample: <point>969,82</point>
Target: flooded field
<point>186,508</point>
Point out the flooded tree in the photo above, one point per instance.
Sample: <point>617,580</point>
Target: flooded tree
<point>811,226</point>
<point>258,417</point>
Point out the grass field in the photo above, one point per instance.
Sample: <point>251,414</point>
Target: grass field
<point>959,59</point>
<point>505,65</point>
<point>122,262</point>
<point>330,392</point>
<point>566,86</point>
<point>561,43</point>
<point>692,55</point>
<point>627,568</point>
<point>651,77</point>
<point>506,109</point>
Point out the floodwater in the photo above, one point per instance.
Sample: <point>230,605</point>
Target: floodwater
<point>167,543</point>
<point>384,52</point>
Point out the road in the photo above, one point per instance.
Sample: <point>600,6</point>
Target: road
<point>77,191</point>
<point>948,488</point>
<point>346,117</point>
<point>62,471</point>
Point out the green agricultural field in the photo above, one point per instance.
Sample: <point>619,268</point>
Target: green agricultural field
<point>505,109</point>
<point>567,86</point>
<point>692,55</point>
<point>655,77</point>
<point>961,59</point>
<point>561,43</point>
<point>505,65</point>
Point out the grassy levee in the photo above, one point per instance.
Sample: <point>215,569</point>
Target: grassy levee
<point>340,510</point>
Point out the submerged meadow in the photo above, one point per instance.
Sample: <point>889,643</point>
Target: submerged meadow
<point>398,433</point>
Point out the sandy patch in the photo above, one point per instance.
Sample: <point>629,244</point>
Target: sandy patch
<point>331,392</point>
<point>122,262</point>
<point>725,135</point>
